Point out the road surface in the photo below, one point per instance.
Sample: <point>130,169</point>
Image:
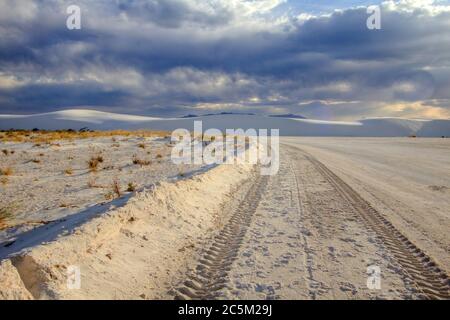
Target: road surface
<point>312,232</point>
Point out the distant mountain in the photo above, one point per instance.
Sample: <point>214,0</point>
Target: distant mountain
<point>288,115</point>
<point>96,120</point>
<point>216,114</point>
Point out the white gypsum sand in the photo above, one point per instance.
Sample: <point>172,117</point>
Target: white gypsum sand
<point>337,207</point>
<point>129,252</point>
<point>50,181</point>
<point>406,179</point>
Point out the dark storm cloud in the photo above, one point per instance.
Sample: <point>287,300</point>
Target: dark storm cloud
<point>149,56</point>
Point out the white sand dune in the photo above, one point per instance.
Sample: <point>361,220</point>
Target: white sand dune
<point>96,120</point>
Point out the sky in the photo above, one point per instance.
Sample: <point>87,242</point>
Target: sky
<point>314,58</point>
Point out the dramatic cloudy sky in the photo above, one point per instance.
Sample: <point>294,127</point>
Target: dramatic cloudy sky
<point>172,57</point>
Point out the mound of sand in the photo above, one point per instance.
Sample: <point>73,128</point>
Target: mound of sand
<point>131,252</point>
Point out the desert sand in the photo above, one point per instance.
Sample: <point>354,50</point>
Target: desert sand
<point>336,207</point>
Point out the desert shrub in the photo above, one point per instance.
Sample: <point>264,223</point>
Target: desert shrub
<point>36,161</point>
<point>68,171</point>
<point>141,145</point>
<point>5,152</point>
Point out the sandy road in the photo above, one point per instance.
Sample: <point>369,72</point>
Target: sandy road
<point>306,234</point>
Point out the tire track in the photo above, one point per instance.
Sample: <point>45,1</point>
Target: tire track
<point>211,273</point>
<point>308,263</point>
<point>429,279</point>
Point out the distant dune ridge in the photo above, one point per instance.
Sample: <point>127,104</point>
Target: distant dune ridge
<point>289,126</point>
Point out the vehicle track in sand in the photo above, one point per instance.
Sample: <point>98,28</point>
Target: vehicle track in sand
<point>429,279</point>
<point>210,274</point>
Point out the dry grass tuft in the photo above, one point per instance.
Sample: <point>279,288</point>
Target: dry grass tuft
<point>131,187</point>
<point>47,137</point>
<point>115,186</point>
<point>93,184</point>
<point>136,160</point>
<point>6,213</point>
<point>94,162</point>
<point>8,171</point>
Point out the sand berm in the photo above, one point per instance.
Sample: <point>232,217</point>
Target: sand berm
<point>128,252</point>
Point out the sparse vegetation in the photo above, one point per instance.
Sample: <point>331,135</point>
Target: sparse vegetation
<point>141,145</point>
<point>36,161</point>
<point>92,184</point>
<point>39,137</point>
<point>131,187</point>
<point>6,213</point>
<point>5,152</point>
<point>68,171</point>
<point>136,160</point>
<point>94,162</point>
<point>116,188</point>
<point>8,171</point>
